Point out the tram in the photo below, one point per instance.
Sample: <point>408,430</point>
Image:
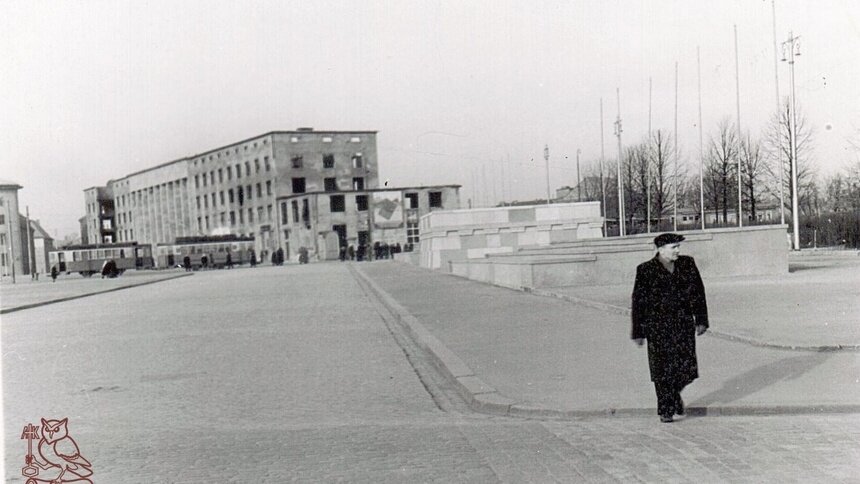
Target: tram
<point>88,259</point>
<point>214,248</point>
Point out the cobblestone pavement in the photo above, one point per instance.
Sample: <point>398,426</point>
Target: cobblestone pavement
<point>291,374</point>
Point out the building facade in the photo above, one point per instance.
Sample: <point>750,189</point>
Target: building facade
<point>340,216</point>
<point>232,189</point>
<point>23,249</point>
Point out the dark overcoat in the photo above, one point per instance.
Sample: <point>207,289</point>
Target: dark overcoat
<point>667,307</point>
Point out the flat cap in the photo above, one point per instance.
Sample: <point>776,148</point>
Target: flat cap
<point>669,238</point>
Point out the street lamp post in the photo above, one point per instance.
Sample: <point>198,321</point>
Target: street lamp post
<point>790,50</point>
<point>578,180</point>
<point>546,158</point>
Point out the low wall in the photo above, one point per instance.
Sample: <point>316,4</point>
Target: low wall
<point>760,250</point>
<point>474,234</point>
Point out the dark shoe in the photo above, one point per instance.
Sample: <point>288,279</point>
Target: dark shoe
<point>679,406</point>
<point>666,418</point>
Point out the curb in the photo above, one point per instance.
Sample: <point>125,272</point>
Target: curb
<point>78,296</point>
<point>483,398</point>
<point>717,333</point>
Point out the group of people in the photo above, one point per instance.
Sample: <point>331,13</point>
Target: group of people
<point>381,250</point>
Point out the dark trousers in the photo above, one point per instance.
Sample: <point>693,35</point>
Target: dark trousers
<point>668,396</point>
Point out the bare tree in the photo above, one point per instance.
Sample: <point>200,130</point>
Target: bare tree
<point>778,143</point>
<point>752,170</point>
<point>721,167</point>
<point>660,148</point>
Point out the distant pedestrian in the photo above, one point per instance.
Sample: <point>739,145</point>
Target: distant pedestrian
<point>350,251</point>
<point>204,261</point>
<point>54,273</point>
<point>274,258</point>
<point>669,309</point>
<point>252,256</point>
<point>280,253</point>
<point>342,253</point>
<point>229,261</point>
<point>186,262</point>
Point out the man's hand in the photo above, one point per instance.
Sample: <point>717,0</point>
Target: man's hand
<point>639,341</point>
<point>700,329</point>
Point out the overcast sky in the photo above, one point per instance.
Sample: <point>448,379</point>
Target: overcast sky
<point>458,90</point>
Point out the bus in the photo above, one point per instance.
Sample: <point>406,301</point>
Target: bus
<point>88,259</point>
<point>214,247</point>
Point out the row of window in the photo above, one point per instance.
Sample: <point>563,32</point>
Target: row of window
<point>327,139</point>
<point>298,161</point>
<point>239,195</point>
<point>209,178</point>
<point>227,152</point>
<point>203,222</point>
<point>136,197</point>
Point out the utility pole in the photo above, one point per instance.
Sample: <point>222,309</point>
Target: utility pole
<point>675,177</point>
<point>11,233</point>
<point>792,47</point>
<point>648,164</point>
<point>701,146</point>
<point>546,158</point>
<point>618,131</point>
<point>740,135</point>
<point>778,109</point>
<point>578,181</point>
<point>602,155</point>
<point>30,250</point>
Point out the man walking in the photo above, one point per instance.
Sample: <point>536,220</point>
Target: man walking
<point>669,309</point>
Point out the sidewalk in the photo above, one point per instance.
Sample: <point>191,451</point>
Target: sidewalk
<point>524,354</point>
<point>27,293</point>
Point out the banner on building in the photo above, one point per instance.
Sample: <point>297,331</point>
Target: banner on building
<point>387,210</point>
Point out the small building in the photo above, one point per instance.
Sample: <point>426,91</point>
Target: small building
<point>23,249</point>
<point>324,221</point>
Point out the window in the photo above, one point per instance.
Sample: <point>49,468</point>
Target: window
<point>250,215</point>
<point>259,214</point>
<point>198,202</point>
<point>284,219</point>
<point>205,201</point>
<point>358,183</point>
<point>337,203</point>
<point>296,161</point>
<point>238,171</point>
<point>204,181</point>
<point>361,203</point>
<point>223,218</point>
<point>221,197</point>
<point>269,213</point>
<point>269,187</point>
<point>229,173</point>
<point>256,165</point>
<point>306,212</point>
<point>294,139</point>
<point>259,191</point>
<point>241,217</point>
<point>207,222</point>
<point>356,160</point>
<point>298,185</point>
<point>247,167</point>
<point>232,218</point>
<point>196,181</point>
<point>326,139</point>
<point>2,219</point>
<point>328,161</point>
<point>435,199</point>
<point>212,177</point>
<point>249,194</point>
<point>220,175</point>
<point>230,195</point>
<point>266,162</point>
<point>241,196</point>
<point>2,239</point>
<point>330,184</point>
<point>412,232</point>
<point>355,139</point>
<point>413,200</point>
<point>199,224</point>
